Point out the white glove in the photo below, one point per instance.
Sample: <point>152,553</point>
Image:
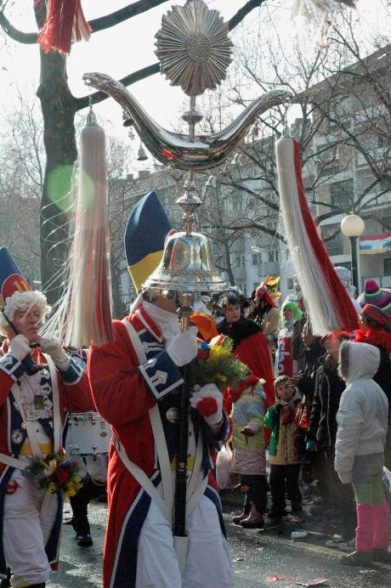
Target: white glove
<point>20,347</point>
<point>183,347</point>
<point>53,347</point>
<point>208,400</point>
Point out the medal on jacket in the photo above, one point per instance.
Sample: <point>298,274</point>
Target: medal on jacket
<point>172,414</point>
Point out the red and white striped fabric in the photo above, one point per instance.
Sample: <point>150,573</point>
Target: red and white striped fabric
<point>65,22</point>
<point>329,305</point>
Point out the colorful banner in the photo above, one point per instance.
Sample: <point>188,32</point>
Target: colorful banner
<point>370,244</point>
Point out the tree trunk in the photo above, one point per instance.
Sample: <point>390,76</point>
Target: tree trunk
<point>58,110</point>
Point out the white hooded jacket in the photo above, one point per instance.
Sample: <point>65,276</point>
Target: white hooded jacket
<point>363,410</point>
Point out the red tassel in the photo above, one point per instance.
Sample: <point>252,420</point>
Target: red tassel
<point>65,22</point>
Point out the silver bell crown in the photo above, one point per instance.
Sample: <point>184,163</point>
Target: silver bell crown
<point>186,266</point>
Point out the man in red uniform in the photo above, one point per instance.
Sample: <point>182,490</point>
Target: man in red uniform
<point>137,383</point>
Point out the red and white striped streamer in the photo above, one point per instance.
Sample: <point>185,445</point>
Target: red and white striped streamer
<point>328,303</point>
<point>65,22</point>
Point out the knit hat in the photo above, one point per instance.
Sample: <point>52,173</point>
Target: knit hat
<point>377,315</point>
<point>376,296</point>
<point>344,274</point>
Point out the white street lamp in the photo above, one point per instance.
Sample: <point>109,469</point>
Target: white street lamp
<point>352,226</point>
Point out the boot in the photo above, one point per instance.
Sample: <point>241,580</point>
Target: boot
<point>6,582</point>
<point>254,520</point>
<point>239,518</point>
<point>296,506</point>
<point>246,511</point>
<point>381,530</point>
<point>84,540</point>
<point>381,555</point>
<point>365,528</point>
<point>357,558</point>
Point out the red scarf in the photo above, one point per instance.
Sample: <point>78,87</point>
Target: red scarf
<point>374,336</point>
<point>234,395</point>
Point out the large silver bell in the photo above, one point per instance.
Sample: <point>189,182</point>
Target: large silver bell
<point>186,266</point>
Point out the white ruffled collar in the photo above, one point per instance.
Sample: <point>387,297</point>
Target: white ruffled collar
<point>167,322</point>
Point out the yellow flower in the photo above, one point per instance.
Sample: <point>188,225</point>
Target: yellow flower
<point>72,487</point>
<point>69,493</point>
<point>52,488</point>
<point>52,466</point>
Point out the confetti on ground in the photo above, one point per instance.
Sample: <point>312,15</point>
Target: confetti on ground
<point>312,583</point>
<point>276,578</point>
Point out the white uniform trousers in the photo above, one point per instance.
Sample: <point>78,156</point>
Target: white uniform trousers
<point>208,562</point>
<point>29,514</point>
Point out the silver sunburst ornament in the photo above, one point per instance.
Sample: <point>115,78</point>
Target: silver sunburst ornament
<point>193,47</point>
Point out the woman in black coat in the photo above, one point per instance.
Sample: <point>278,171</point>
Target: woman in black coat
<point>322,431</point>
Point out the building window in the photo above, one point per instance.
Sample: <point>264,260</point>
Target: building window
<point>386,224</point>
<point>236,205</point>
<point>341,194</point>
<point>257,258</point>
<point>290,284</point>
<point>272,256</point>
<point>387,267</point>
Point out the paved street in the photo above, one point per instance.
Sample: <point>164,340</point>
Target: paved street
<point>259,559</point>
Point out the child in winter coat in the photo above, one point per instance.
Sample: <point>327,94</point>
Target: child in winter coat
<point>359,452</point>
<point>249,460</point>
<point>284,455</point>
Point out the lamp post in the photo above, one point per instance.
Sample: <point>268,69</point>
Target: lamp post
<point>352,226</point>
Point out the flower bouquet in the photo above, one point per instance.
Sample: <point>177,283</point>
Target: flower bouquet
<point>216,363</point>
<point>55,472</point>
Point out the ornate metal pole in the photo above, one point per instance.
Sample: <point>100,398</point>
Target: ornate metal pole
<point>183,433</point>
